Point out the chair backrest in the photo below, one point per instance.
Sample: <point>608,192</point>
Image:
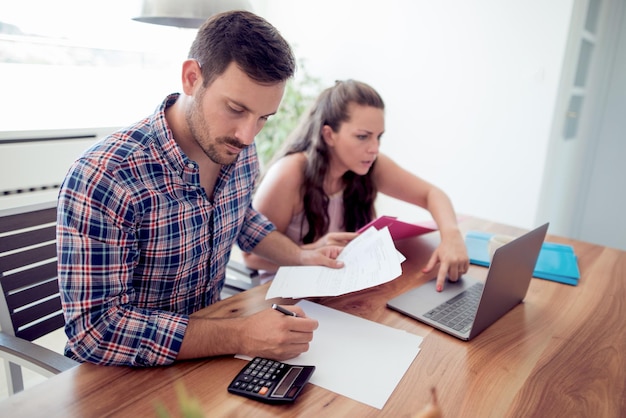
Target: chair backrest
<point>30,304</point>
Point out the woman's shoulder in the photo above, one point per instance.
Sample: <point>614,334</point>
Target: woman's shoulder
<point>383,162</point>
<point>283,178</point>
<point>386,168</point>
<point>286,174</point>
<point>290,166</point>
<point>297,158</point>
<point>384,158</point>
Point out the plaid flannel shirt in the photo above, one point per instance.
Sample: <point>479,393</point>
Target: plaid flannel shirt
<point>141,246</point>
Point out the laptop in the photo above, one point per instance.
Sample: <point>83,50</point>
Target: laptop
<point>479,304</point>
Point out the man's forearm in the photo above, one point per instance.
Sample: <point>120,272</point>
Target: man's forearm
<point>256,262</point>
<point>206,337</point>
<point>279,249</point>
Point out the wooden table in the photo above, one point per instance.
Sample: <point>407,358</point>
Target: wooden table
<point>561,353</point>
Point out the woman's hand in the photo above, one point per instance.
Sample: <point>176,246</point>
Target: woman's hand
<point>340,239</point>
<point>451,254</point>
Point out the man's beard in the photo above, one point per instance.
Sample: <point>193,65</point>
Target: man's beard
<point>201,133</point>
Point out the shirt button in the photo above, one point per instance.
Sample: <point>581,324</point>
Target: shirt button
<point>191,165</point>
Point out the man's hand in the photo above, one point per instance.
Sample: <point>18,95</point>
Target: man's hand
<point>275,335</point>
<point>324,256</point>
<point>282,251</point>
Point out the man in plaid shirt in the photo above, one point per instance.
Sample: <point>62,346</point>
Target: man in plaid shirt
<point>148,216</point>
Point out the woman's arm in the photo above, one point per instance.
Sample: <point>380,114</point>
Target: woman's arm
<point>395,181</point>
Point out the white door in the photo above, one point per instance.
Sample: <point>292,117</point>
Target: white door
<point>602,203</point>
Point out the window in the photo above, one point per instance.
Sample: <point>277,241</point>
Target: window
<point>75,63</point>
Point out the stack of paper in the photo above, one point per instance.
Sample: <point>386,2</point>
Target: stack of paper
<point>369,260</point>
<point>556,262</point>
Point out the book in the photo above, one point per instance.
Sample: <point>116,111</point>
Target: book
<point>556,262</point>
<point>399,229</point>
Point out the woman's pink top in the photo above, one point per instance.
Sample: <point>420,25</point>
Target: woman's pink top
<point>298,227</point>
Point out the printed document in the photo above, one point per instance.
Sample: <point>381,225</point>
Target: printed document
<point>369,260</point>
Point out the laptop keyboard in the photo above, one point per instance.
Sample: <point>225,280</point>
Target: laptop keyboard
<point>458,313</point>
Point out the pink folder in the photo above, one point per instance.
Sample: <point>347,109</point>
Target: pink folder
<point>399,229</point>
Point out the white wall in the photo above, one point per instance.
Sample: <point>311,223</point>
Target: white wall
<point>470,87</point>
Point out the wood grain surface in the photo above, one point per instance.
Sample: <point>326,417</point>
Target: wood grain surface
<point>561,353</point>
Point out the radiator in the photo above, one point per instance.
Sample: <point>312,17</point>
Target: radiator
<point>34,163</point>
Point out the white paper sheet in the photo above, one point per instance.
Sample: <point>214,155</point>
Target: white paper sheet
<point>355,357</point>
<point>370,259</point>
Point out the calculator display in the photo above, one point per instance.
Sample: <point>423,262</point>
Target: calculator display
<point>285,384</point>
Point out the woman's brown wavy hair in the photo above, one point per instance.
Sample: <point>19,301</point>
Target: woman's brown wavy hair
<point>331,108</point>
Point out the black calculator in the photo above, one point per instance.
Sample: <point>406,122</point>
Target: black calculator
<point>270,381</point>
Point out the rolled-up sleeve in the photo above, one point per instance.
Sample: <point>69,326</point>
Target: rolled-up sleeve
<point>256,227</point>
<point>97,250</point>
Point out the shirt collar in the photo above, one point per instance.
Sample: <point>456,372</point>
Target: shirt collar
<point>165,138</point>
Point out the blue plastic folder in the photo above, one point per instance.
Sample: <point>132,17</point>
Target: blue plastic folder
<point>556,262</point>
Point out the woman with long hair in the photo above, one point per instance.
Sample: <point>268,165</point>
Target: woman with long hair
<point>322,185</point>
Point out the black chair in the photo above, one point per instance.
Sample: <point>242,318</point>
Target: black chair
<point>30,305</point>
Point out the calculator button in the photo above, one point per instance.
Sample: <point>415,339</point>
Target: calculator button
<point>264,390</point>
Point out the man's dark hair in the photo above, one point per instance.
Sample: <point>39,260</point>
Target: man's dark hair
<point>250,41</point>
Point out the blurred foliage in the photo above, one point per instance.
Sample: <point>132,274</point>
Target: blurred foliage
<point>188,406</point>
<point>300,92</point>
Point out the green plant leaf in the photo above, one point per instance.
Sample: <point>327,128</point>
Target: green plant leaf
<point>300,92</point>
